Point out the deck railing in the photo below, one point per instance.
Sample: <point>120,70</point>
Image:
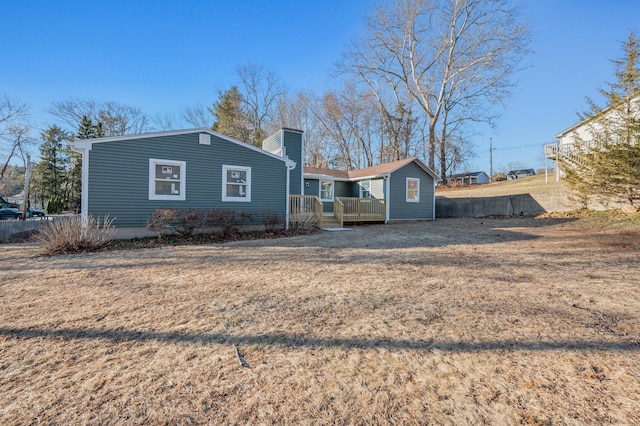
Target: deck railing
<point>304,207</point>
<point>571,152</point>
<point>363,209</point>
<point>345,209</point>
<point>338,211</point>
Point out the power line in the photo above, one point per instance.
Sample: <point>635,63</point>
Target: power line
<point>511,148</point>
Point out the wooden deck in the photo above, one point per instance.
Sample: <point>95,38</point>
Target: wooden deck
<point>345,209</point>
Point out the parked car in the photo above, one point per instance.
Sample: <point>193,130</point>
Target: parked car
<point>35,212</point>
<point>7,205</point>
<point>9,214</point>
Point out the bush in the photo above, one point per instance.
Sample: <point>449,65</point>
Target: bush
<point>304,225</point>
<point>184,222</point>
<point>72,234</point>
<point>272,221</point>
<point>177,221</point>
<point>228,220</point>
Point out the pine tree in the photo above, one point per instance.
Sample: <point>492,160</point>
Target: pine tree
<point>86,130</point>
<point>229,117</point>
<point>50,173</point>
<point>610,170</point>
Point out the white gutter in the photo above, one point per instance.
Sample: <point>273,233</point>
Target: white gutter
<point>387,180</point>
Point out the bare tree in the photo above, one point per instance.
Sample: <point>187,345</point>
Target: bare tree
<point>328,111</point>
<point>296,112</point>
<point>261,91</point>
<point>14,131</point>
<point>197,117</point>
<point>443,54</point>
<point>116,119</point>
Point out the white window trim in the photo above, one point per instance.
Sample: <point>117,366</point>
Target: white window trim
<point>246,199</point>
<point>333,189</point>
<point>406,190</point>
<point>152,180</point>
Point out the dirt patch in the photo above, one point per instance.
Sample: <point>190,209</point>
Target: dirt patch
<point>457,321</point>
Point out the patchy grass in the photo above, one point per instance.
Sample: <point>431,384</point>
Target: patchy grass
<point>527,185</point>
<point>457,321</point>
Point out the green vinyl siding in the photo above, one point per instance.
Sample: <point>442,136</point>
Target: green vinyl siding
<point>311,187</point>
<point>400,209</point>
<point>292,141</point>
<point>119,177</point>
<point>341,189</point>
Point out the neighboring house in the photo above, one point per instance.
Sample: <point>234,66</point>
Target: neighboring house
<point>469,178</point>
<point>516,174</point>
<point>579,137</point>
<point>129,177</point>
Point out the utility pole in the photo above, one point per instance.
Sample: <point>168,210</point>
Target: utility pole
<point>27,175</point>
<point>490,160</point>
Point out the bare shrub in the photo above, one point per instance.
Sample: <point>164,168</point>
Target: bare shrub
<point>304,224</point>
<point>229,221</point>
<point>73,234</point>
<point>177,221</point>
<point>272,221</point>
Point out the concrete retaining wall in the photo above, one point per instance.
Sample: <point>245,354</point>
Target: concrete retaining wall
<point>505,205</point>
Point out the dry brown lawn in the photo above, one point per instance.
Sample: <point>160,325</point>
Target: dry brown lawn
<point>457,321</point>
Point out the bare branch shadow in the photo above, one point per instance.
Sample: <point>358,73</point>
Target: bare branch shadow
<point>281,339</point>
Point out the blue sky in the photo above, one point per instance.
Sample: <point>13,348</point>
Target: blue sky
<point>164,55</point>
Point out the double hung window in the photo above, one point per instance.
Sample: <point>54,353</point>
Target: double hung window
<point>413,190</point>
<point>236,183</point>
<point>167,179</point>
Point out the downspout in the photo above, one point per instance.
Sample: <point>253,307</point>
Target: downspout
<point>387,182</point>
<point>290,165</point>
<point>434,199</point>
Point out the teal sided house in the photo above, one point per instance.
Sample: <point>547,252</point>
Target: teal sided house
<point>128,177</point>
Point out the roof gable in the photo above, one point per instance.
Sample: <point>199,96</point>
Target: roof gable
<point>634,99</point>
<point>373,171</point>
<point>87,143</point>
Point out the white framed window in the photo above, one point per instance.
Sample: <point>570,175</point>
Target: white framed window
<point>326,190</point>
<point>167,179</point>
<point>413,190</point>
<point>365,189</point>
<point>236,183</point>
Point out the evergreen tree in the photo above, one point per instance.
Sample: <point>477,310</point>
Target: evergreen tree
<point>86,130</point>
<point>229,117</point>
<point>50,174</point>
<point>610,167</point>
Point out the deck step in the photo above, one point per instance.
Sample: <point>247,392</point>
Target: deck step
<point>330,222</point>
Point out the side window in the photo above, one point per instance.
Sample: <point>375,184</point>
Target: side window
<point>365,189</point>
<point>413,190</point>
<point>326,190</point>
<point>167,179</point>
<point>236,183</point>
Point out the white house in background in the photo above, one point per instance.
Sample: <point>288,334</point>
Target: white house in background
<point>579,137</point>
<point>471,178</point>
<point>516,174</point>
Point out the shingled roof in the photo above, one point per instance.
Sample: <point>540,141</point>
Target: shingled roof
<point>378,170</point>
